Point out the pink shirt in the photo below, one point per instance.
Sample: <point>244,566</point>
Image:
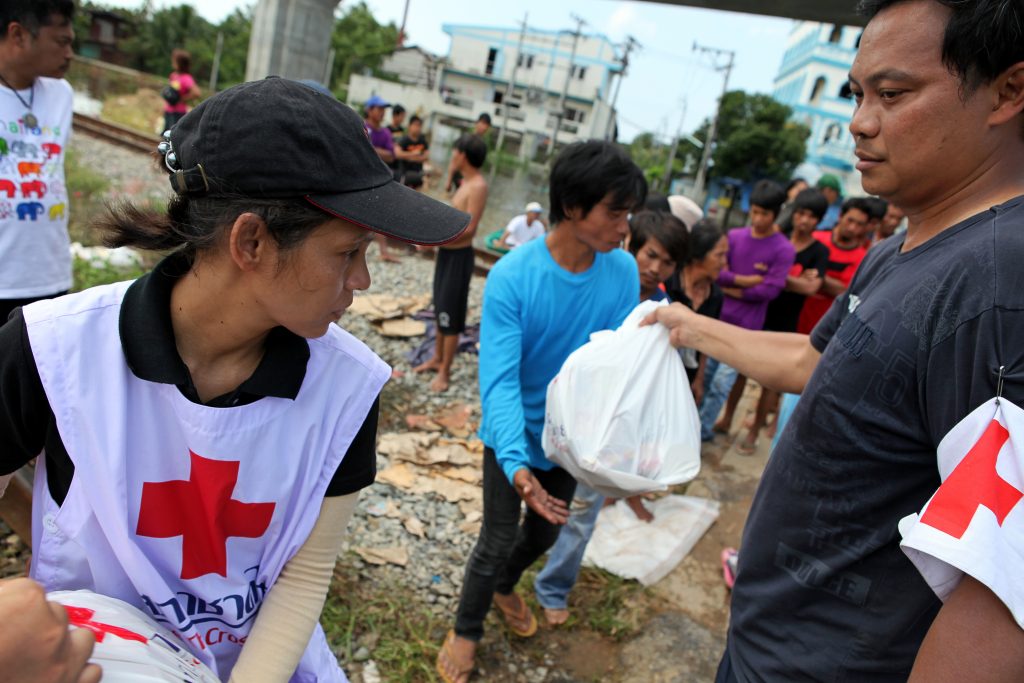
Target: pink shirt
<point>186,85</point>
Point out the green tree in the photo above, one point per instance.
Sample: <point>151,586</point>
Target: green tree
<point>755,138</point>
<point>359,42</point>
<point>650,155</point>
<point>236,27</point>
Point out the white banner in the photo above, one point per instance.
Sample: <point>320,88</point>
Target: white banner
<point>974,523</point>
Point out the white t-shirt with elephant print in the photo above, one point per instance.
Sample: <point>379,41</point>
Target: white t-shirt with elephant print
<point>34,256</point>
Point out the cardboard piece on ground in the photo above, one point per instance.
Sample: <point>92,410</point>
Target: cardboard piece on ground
<point>647,551</point>
<point>456,419</point>
<point>404,445</point>
<point>470,507</point>
<point>454,454</point>
<point>470,475</point>
<point>414,526</point>
<point>400,476</point>
<point>470,528</point>
<point>379,307</point>
<point>416,480</point>
<point>402,327</point>
<point>449,489</point>
<point>422,422</point>
<point>419,448</point>
<point>396,555</point>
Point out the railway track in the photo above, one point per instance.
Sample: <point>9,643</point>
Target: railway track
<point>485,258</point>
<point>115,134</point>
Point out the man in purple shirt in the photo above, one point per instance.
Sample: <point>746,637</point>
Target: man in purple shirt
<point>384,145</point>
<point>760,257</point>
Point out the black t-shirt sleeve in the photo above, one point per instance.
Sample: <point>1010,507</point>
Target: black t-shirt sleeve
<point>358,468</point>
<point>24,408</point>
<point>819,259</point>
<point>962,370</point>
<point>404,142</point>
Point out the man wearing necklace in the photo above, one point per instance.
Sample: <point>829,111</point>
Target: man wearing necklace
<point>35,120</point>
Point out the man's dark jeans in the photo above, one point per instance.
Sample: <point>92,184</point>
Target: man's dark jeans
<point>505,548</point>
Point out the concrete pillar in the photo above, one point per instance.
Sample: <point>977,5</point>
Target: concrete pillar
<point>290,38</point>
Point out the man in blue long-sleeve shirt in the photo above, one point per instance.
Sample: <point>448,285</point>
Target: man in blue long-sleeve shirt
<point>542,302</point>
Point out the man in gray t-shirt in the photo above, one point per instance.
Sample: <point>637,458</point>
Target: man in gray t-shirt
<point>823,591</point>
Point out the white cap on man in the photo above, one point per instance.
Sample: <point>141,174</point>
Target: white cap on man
<point>534,207</point>
<point>685,209</point>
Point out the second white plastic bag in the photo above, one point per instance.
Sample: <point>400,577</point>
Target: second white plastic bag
<point>620,416</point>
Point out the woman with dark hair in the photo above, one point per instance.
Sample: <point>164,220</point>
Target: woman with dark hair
<point>207,427</point>
<point>785,219</point>
<point>693,285</point>
<point>180,90</point>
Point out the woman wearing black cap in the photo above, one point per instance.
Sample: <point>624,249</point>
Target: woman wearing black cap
<point>207,428</point>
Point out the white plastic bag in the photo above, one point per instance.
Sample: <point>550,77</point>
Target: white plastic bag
<point>647,551</point>
<point>620,415</point>
<point>130,646</point>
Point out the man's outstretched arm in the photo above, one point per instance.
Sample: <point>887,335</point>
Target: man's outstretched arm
<point>778,360</point>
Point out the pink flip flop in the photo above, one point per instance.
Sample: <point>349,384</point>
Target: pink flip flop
<point>729,558</point>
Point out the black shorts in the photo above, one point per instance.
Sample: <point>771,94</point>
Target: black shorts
<point>452,273</point>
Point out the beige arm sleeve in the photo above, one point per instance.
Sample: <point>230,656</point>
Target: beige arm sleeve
<point>290,612</point>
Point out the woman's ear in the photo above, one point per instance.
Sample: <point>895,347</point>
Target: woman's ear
<point>249,242</point>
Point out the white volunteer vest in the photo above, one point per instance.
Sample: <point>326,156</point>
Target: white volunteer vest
<point>186,511</point>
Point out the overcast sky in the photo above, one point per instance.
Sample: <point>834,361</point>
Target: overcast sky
<point>663,73</point>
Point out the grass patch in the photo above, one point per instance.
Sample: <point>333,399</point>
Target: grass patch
<point>86,274</point>
<point>601,602</point>
<point>82,180</point>
<point>142,110</point>
<point>388,619</point>
<point>86,196</point>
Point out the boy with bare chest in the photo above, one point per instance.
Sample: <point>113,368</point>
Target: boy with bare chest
<point>454,266</point>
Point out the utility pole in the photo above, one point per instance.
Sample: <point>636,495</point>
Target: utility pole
<point>702,171</point>
<point>215,71</point>
<point>631,44</point>
<point>672,152</point>
<point>560,114</point>
<point>506,100</point>
<point>401,31</point>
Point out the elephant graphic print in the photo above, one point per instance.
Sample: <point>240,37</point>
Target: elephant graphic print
<point>34,247</point>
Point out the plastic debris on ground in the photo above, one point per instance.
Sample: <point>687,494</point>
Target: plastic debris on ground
<point>647,551</point>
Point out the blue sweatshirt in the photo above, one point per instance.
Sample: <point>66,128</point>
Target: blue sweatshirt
<point>535,313</point>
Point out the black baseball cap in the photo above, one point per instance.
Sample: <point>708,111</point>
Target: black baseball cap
<point>280,138</point>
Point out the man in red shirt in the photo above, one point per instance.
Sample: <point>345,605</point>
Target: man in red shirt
<point>846,250</point>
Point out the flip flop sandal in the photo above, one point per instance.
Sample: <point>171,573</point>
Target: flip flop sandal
<point>446,653</point>
<point>746,449</point>
<point>523,614</point>
<point>729,558</point>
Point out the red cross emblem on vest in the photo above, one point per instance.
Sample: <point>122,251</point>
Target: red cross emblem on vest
<point>82,618</point>
<point>201,511</point>
<point>973,482</point>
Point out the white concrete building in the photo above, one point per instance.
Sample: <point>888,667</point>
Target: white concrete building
<point>811,78</point>
<point>475,77</point>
